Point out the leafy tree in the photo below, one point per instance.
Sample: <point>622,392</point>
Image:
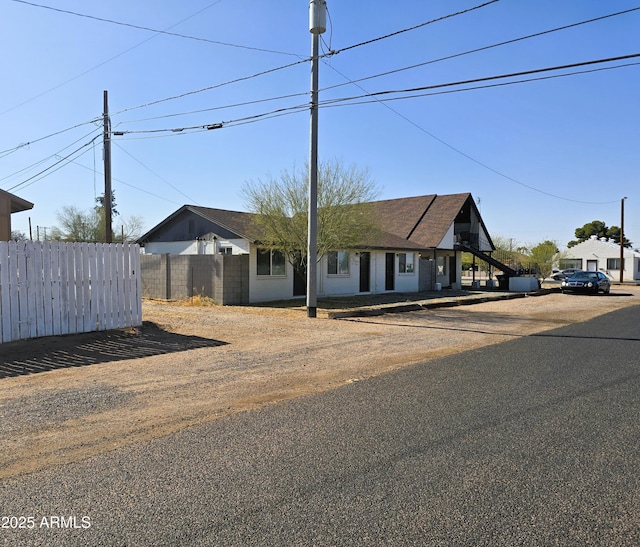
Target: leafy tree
<point>599,229</point>
<point>545,255</point>
<point>89,226</point>
<point>345,218</point>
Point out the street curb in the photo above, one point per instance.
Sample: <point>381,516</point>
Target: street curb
<point>447,302</point>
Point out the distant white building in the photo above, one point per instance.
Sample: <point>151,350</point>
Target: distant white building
<point>603,255</point>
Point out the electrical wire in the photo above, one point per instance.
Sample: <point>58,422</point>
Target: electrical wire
<point>32,166</point>
<point>489,78</point>
<point>148,29</point>
<point>114,179</point>
<point>4,153</point>
<point>306,59</point>
<point>224,107</point>
<point>474,88</point>
<point>105,62</point>
<point>377,95</point>
<point>34,178</point>
<point>209,88</point>
<point>191,200</point>
<point>484,48</point>
<point>415,27</point>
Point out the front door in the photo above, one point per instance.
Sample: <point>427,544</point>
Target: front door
<point>592,265</point>
<point>453,270</point>
<point>365,272</point>
<point>389,270</point>
<point>299,284</point>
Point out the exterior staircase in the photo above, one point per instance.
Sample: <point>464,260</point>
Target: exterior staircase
<point>507,271</point>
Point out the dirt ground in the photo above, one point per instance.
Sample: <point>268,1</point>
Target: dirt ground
<point>87,394</point>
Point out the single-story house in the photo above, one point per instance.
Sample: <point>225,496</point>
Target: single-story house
<point>603,255</point>
<point>416,248</point>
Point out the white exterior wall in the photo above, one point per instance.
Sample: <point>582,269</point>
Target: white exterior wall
<point>195,247</point>
<point>599,251</point>
<point>172,248</point>
<point>265,288</point>
<point>449,239</point>
<point>336,285</point>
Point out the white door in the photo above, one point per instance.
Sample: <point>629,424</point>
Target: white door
<point>592,265</point>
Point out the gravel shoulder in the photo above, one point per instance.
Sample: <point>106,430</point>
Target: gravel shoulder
<point>189,365</point>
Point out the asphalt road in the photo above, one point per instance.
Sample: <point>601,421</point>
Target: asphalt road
<point>530,442</point>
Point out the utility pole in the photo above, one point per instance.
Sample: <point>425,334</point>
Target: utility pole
<point>622,239</point>
<point>107,169</point>
<point>317,25</point>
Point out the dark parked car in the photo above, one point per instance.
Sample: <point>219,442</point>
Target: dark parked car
<point>589,282</point>
<point>559,276</point>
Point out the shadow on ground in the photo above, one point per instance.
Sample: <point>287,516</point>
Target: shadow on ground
<point>78,350</point>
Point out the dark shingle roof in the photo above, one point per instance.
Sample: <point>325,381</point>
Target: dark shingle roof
<point>237,222</point>
<point>422,220</point>
<point>415,223</point>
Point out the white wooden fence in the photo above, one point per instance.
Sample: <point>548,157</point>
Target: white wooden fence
<point>49,288</point>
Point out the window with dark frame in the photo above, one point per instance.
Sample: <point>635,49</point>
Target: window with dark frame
<point>338,263</point>
<point>405,263</point>
<point>271,262</point>
<point>613,263</point>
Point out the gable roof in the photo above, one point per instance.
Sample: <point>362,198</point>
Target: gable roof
<point>606,247</point>
<point>241,224</point>
<point>425,220</point>
<point>415,223</point>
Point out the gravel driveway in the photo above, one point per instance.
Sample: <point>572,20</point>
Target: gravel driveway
<point>188,365</point>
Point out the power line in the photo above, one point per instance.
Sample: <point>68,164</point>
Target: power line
<point>471,158</point>
<point>29,143</point>
<point>125,183</point>
<point>485,48</point>
<point>398,32</point>
<point>209,88</point>
<point>488,78</point>
<point>156,174</point>
<point>31,180</point>
<point>507,42</point>
<point>306,60</point>
<point>148,29</point>
<point>224,107</point>
<point>28,168</point>
<point>376,96</point>
<point>105,62</point>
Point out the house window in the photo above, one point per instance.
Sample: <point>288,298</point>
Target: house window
<point>405,263</point>
<point>271,262</point>
<point>571,263</point>
<point>226,250</point>
<point>613,263</point>
<point>338,263</point>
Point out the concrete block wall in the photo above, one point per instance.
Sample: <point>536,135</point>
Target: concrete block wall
<point>154,276</point>
<point>224,278</point>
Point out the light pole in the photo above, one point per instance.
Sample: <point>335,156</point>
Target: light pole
<point>622,239</point>
<point>317,25</point>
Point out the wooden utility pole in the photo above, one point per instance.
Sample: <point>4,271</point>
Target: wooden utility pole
<point>107,170</point>
<point>622,239</point>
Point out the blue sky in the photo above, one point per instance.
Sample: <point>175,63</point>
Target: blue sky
<point>542,157</point>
